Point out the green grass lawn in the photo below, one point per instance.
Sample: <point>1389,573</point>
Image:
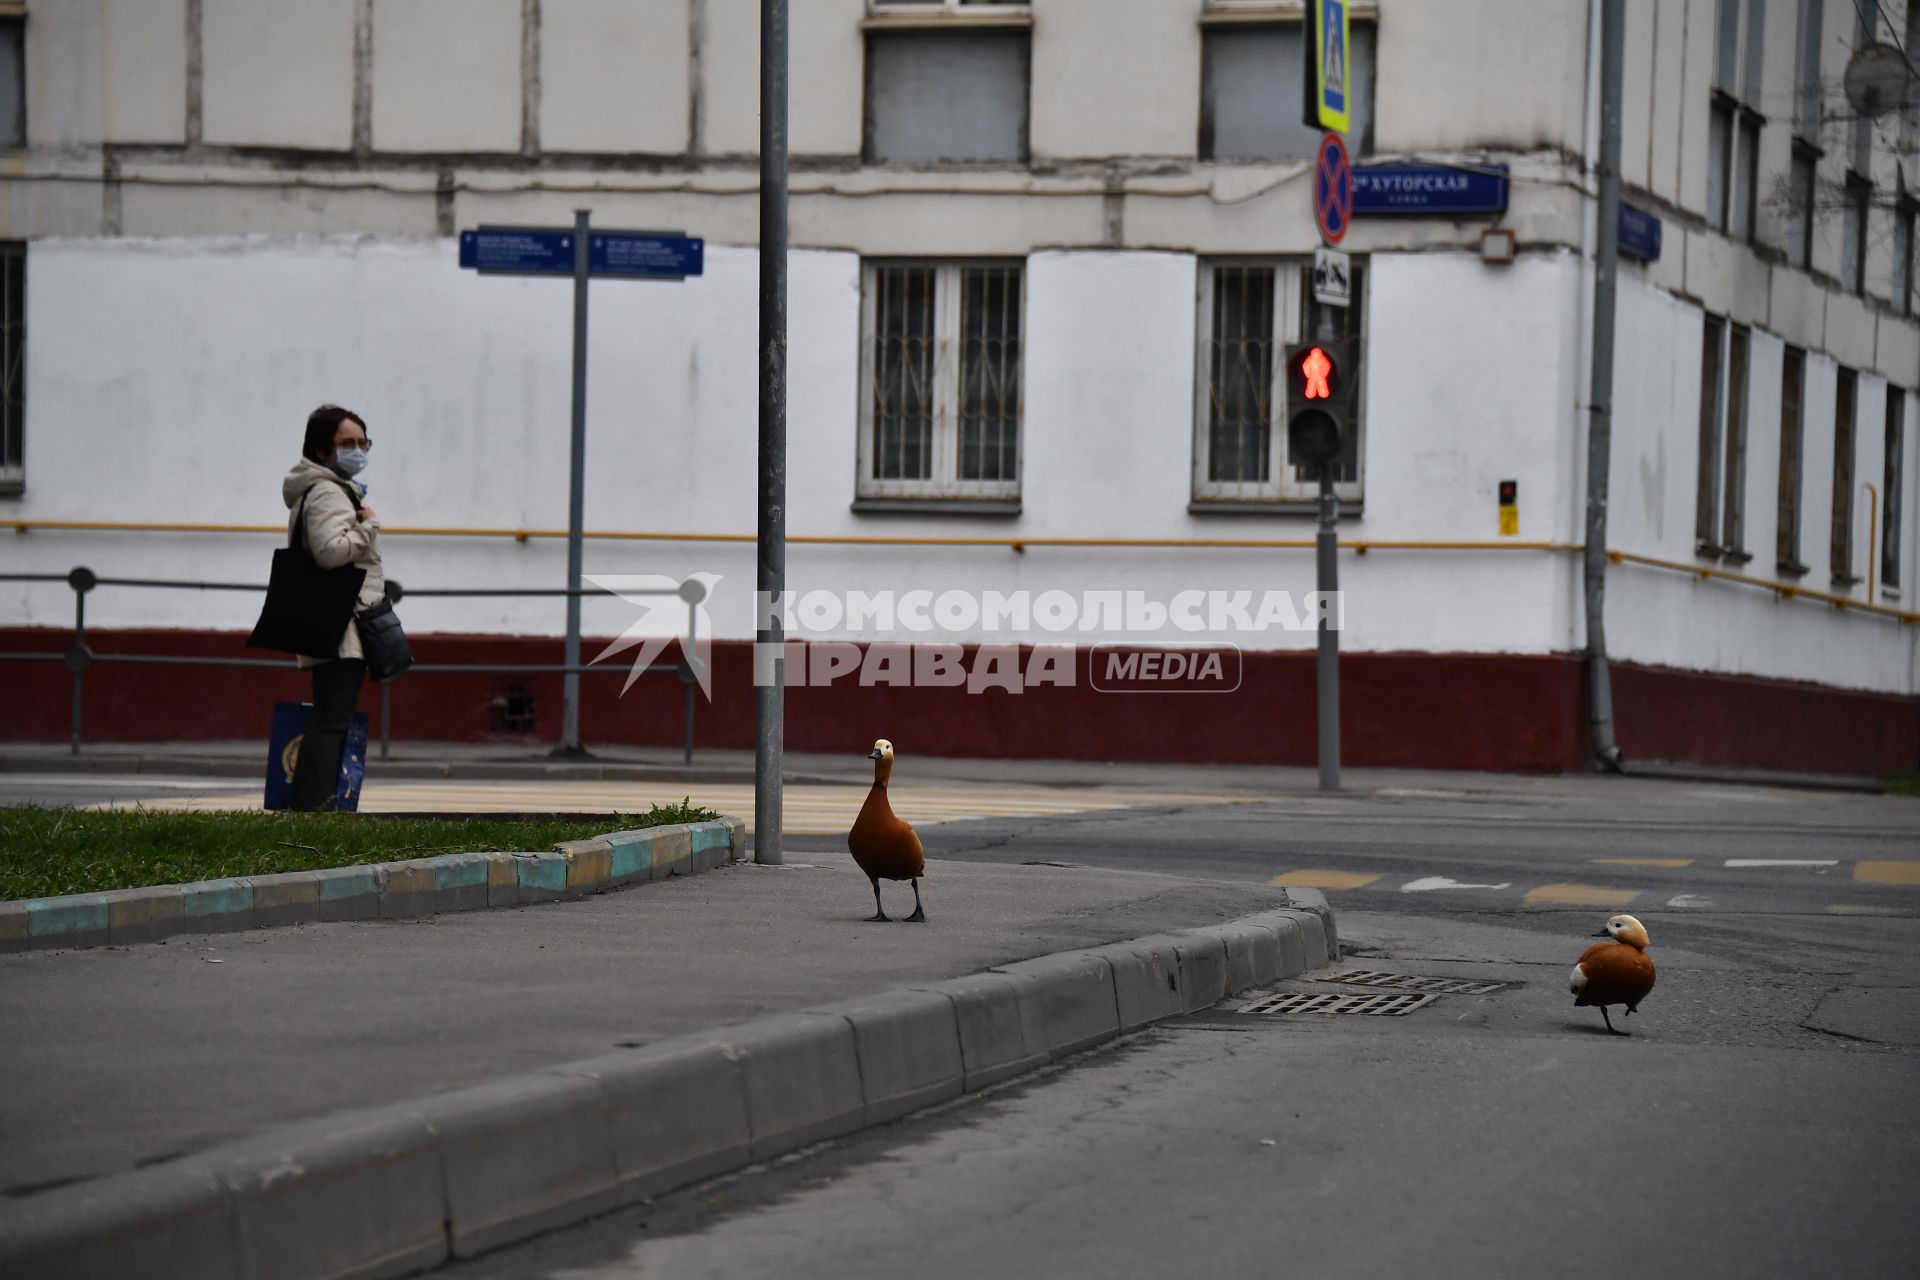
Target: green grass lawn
<point>1902,784</point>
<point>44,852</point>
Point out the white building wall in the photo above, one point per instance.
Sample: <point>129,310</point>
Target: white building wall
<point>172,363</point>
<point>277,73</point>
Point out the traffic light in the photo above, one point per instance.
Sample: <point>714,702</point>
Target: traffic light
<point>1321,377</point>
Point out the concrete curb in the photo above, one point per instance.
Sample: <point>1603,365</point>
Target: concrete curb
<point>373,891</point>
<point>392,1189</point>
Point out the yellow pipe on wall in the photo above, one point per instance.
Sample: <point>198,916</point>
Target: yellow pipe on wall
<point>1359,546</point>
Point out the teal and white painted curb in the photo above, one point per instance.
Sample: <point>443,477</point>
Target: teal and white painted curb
<point>374,891</point>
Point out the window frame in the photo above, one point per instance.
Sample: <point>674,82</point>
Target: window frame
<point>1713,399</point>
<point>1281,492</point>
<point>13,365</point>
<point>1846,396</point>
<point>1220,17</point>
<point>1901,286</point>
<point>15,15</point>
<point>1792,478</point>
<point>931,30</point>
<point>944,485</point>
<point>1856,221</point>
<point>1800,224</point>
<point>1893,481</point>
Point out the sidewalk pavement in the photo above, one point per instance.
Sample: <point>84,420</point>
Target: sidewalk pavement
<point>121,1057</point>
<point>512,761</point>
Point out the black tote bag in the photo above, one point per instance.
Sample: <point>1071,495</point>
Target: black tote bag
<point>308,608</point>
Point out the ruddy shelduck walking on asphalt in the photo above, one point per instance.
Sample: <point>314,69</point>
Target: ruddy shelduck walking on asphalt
<point>1616,972</point>
<point>885,847</point>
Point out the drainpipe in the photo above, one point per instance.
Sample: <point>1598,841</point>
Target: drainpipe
<point>1600,400</point>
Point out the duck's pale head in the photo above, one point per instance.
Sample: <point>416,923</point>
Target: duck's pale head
<point>1626,929</point>
<point>882,750</point>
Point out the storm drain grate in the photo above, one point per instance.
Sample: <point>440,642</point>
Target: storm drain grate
<point>1329,1002</point>
<point>1407,982</point>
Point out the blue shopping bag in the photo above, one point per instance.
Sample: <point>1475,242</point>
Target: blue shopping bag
<point>283,753</point>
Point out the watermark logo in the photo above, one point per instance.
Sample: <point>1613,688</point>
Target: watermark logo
<point>671,611</point>
<point>1122,668</point>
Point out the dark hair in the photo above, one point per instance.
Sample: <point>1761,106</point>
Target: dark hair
<point>322,425</point>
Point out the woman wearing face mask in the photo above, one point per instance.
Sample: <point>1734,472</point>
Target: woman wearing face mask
<point>341,529</point>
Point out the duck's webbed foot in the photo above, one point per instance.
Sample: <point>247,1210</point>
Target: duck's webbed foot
<point>919,915</point>
<point>1611,1030</point>
<point>879,915</point>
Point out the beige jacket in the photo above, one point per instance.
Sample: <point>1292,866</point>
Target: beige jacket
<point>336,536</point>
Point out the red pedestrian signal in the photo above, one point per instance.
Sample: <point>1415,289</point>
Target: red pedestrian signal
<point>1312,374</point>
<point>1317,367</point>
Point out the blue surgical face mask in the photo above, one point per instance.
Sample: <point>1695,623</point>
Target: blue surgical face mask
<point>350,461</point>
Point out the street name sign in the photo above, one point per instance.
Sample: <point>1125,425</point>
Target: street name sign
<point>1429,189</point>
<point>1639,233</point>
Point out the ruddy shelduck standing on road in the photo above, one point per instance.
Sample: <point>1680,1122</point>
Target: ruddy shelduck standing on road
<point>885,847</point>
<point>1616,972</point>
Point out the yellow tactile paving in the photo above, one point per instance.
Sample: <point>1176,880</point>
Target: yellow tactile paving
<point>809,809</point>
<point>1673,864</point>
<point>1887,872</point>
<point>1580,895</point>
<point>1327,879</point>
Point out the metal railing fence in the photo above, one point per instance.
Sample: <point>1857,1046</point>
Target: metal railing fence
<point>79,657</point>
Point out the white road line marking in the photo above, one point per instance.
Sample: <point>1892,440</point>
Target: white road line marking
<point>1783,862</point>
<point>1693,900</point>
<point>1428,883</point>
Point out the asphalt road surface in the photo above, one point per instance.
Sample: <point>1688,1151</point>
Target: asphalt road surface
<point>1761,1119</point>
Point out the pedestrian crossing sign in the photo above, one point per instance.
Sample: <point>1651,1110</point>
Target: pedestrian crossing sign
<point>1329,59</point>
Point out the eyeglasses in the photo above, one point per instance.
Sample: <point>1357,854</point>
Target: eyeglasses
<point>365,442</point>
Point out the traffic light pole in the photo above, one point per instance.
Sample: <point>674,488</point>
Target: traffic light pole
<point>1326,546</point>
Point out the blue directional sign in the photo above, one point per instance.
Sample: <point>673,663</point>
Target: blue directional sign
<point>1429,189</point>
<point>1639,234</point>
<point>645,254</point>
<point>548,251</point>
<point>523,251</point>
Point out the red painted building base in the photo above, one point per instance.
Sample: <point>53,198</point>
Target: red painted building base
<point>1503,712</point>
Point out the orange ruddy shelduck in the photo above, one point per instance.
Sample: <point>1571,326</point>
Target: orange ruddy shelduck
<point>885,847</point>
<point>1616,972</point>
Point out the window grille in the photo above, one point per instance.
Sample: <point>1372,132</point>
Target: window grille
<point>1892,484</point>
<point>941,380</point>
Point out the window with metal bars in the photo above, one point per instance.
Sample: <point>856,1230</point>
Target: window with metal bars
<point>1793,391</point>
<point>13,356</point>
<point>1250,311</point>
<point>1840,540</point>
<point>941,377</point>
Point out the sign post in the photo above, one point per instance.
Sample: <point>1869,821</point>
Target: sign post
<point>581,253</point>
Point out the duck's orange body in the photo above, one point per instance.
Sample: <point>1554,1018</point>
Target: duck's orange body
<point>1616,972</point>
<point>882,845</point>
